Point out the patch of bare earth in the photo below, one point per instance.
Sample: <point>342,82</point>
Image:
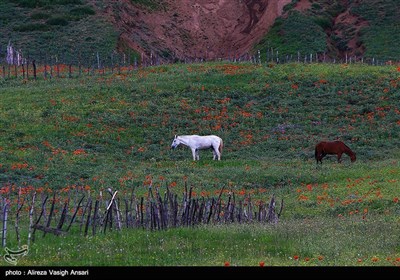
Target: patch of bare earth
<point>347,26</point>
<point>303,5</point>
<point>207,29</point>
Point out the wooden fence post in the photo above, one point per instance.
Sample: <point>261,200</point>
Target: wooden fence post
<point>19,207</point>
<point>34,69</point>
<point>76,211</point>
<point>94,220</point>
<point>51,213</point>
<point>5,218</point>
<point>31,218</point>
<point>40,216</point>
<point>88,216</point>
<point>27,68</point>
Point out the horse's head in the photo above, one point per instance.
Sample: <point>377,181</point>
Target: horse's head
<point>353,157</point>
<point>175,142</point>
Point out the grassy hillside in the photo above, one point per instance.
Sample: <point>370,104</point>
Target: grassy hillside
<point>311,31</point>
<point>116,130</point>
<point>62,30</point>
<point>260,112</point>
<point>381,37</point>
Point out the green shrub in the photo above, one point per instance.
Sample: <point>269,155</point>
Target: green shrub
<point>57,21</point>
<point>43,3</point>
<point>32,27</point>
<point>150,4</point>
<point>82,11</point>
<point>40,15</point>
<point>324,22</point>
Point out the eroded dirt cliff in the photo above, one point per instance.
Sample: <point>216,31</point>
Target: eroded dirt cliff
<point>207,29</point>
<point>213,29</point>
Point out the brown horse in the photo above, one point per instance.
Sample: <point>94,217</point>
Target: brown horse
<point>333,148</point>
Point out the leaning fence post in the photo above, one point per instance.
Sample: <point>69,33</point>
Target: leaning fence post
<point>40,216</point>
<point>19,207</point>
<point>51,212</point>
<point>76,211</point>
<point>63,215</point>
<point>31,218</point>
<point>94,220</point>
<point>5,217</point>
<point>118,215</point>
<point>108,214</point>
<point>88,216</point>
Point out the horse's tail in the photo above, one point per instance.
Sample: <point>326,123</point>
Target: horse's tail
<point>319,149</point>
<point>221,145</point>
<point>316,151</point>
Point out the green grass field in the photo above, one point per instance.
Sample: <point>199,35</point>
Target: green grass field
<point>115,131</point>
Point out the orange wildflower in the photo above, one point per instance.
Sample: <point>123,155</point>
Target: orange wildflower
<point>79,152</point>
<point>302,197</point>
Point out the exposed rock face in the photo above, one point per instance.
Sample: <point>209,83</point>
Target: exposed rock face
<point>207,29</point>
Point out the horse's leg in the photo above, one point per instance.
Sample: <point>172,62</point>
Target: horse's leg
<point>339,156</point>
<point>216,153</point>
<point>318,157</point>
<point>197,155</point>
<point>193,153</point>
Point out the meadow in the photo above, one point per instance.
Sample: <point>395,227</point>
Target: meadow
<point>115,130</point>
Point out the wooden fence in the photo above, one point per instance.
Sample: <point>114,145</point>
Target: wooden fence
<point>41,66</point>
<point>58,213</point>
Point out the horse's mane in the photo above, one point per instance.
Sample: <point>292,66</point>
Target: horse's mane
<point>187,135</point>
<point>347,147</point>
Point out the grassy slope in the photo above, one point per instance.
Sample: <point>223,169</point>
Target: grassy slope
<point>66,30</point>
<point>270,119</point>
<point>307,32</point>
<point>260,112</point>
<point>381,37</point>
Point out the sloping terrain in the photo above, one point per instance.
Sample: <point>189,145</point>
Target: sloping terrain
<point>338,29</point>
<point>206,29</point>
<point>71,30</point>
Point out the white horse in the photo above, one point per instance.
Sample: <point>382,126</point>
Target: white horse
<point>196,143</point>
